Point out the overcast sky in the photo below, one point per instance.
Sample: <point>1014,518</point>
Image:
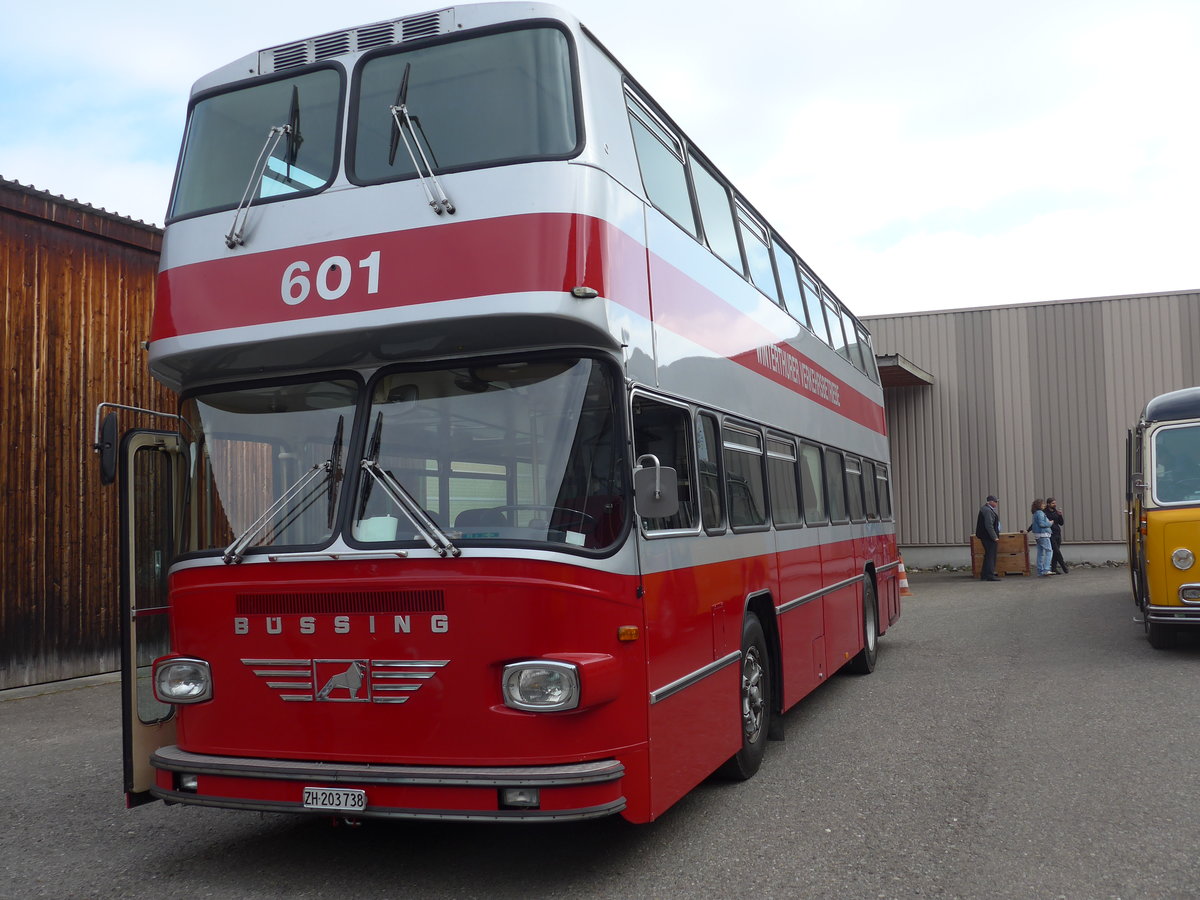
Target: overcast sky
<point>920,154</point>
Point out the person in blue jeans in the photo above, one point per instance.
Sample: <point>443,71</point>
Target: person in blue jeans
<point>1040,529</point>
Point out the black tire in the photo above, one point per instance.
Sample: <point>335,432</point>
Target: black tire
<point>754,703</point>
<point>1159,636</point>
<point>864,662</point>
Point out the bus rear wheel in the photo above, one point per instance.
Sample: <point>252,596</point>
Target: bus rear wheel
<point>755,703</point>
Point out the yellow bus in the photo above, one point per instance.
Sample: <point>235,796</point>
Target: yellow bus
<point>1163,514</point>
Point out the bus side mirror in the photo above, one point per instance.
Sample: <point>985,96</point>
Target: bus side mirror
<point>106,446</point>
<point>655,489</point>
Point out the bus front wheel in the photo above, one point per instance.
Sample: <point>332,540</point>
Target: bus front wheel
<point>755,703</point>
<point>1159,636</point>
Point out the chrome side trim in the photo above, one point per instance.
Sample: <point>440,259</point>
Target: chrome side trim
<point>172,759</point>
<point>887,567</point>
<point>828,589</point>
<point>693,678</point>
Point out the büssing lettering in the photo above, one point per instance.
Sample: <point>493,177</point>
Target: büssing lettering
<point>434,624</point>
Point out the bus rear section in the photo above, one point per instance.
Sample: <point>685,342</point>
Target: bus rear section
<point>1164,515</point>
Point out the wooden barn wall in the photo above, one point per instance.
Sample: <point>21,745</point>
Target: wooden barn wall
<point>1029,401</point>
<point>78,292</point>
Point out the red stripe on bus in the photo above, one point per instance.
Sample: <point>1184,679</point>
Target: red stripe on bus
<point>547,252</point>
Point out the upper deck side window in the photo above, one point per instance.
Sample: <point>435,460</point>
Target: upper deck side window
<point>757,245</point>
<point>865,358</point>
<point>227,131</point>
<point>716,216</point>
<point>833,315</point>
<point>664,172</point>
<point>793,299</point>
<point>476,100</point>
<point>713,212</point>
<point>814,307</point>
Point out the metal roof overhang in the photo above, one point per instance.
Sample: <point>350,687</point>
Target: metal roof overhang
<point>896,371</point>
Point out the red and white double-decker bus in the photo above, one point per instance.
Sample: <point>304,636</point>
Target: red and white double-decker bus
<point>521,470</point>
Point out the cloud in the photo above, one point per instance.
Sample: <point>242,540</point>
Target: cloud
<point>926,154</point>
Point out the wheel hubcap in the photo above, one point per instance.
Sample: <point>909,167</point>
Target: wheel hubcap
<point>753,701</point>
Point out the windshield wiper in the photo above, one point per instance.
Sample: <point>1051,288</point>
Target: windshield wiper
<point>235,238</point>
<point>426,527</point>
<point>295,138</point>
<point>402,126</point>
<point>335,460</point>
<point>235,551</point>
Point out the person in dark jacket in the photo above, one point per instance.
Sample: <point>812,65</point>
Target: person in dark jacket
<point>1054,514</point>
<point>987,529</point>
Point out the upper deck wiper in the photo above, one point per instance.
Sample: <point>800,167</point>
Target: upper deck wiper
<point>295,138</point>
<point>402,126</point>
<point>234,238</point>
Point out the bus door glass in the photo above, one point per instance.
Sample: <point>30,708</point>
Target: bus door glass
<point>152,479</point>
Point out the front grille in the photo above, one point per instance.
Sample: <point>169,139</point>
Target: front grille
<point>302,603</point>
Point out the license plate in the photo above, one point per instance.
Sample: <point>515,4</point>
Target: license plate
<point>335,798</point>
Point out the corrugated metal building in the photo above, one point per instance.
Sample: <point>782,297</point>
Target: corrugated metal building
<point>78,292</point>
<point>1026,401</point>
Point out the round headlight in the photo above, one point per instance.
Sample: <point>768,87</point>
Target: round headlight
<point>181,680</point>
<point>541,685</point>
<point>1183,558</point>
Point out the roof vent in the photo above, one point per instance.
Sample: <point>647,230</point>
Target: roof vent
<point>356,40</point>
<point>376,36</point>
<point>289,56</point>
<point>331,45</point>
<point>421,26</point>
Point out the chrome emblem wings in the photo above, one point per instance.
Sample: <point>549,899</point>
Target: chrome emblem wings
<point>345,680</point>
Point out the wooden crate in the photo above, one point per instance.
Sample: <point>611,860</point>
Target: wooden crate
<point>1012,556</point>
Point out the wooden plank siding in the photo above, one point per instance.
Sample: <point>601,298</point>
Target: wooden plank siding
<point>1028,400</point>
<point>78,292</point>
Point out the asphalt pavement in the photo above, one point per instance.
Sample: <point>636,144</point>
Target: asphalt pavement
<point>1018,739</point>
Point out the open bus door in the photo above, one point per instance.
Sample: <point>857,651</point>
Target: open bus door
<point>153,480</point>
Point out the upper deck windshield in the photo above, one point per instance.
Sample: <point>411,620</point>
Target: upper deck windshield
<point>476,101</point>
<point>227,132</point>
<point>1177,464</point>
<point>525,451</point>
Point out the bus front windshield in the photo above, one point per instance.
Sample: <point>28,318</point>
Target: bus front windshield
<point>524,452</point>
<point>269,463</point>
<point>1177,464</point>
